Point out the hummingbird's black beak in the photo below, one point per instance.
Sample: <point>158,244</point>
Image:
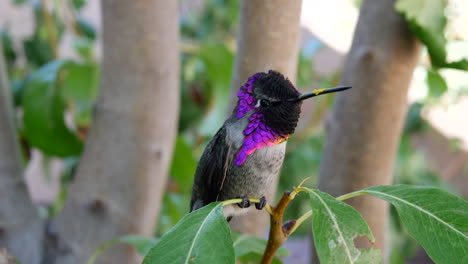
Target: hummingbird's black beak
<point>318,92</point>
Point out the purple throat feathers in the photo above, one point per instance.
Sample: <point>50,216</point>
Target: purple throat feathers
<point>257,134</point>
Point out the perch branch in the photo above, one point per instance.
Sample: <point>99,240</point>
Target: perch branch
<point>279,230</point>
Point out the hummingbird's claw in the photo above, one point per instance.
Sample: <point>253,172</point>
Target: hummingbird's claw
<point>245,202</point>
<point>261,204</point>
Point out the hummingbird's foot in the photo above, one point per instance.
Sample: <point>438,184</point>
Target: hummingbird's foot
<point>261,204</point>
<point>245,202</point>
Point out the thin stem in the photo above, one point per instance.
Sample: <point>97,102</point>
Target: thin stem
<point>50,28</point>
<point>349,195</point>
<point>300,221</point>
<point>103,247</point>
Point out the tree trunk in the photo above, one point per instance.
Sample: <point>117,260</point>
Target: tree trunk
<point>268,39</point>
<point>365,127</point>
<point>122,174</point>
<point>21,230</point>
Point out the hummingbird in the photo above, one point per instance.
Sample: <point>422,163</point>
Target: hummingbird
<point>246,154</point>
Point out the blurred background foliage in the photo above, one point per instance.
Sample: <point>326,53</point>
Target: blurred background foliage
<point>54,98</point>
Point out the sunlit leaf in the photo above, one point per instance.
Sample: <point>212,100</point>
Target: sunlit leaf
<point>437,219</point>
<point>203,236</point>
<point>427,20</point>
<point>335,225</point>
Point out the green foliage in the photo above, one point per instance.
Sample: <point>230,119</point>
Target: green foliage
<point>427,20</point>
<point>335,225</point>
<point>250,249</point>
<point>202,236</point>
<point>218,61</point>
<point>436,83</point>
<point>44,107</point>
<point>183,174</point>
<point>217,21</point>
<point>436,219</point>
<point>80,88</point>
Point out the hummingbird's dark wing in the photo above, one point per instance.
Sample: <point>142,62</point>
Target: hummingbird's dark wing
<point>211,171</point>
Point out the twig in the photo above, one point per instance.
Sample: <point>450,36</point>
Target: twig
<point>277,235</point>
<point>279,230</point>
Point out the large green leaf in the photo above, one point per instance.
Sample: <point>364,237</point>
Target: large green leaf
<point>436,219</point>
<point>43,117</point>
<point>203,236</point>
<point>335,225</point>
<point>427,20</point>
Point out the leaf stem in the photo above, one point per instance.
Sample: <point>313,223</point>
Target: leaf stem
<point>103,247</point>
<point>300,221</point>
<point>50,28</point>
<point>349,195</point>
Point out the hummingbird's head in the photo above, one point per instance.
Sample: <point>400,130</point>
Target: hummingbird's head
<point>275,106</point>
<point>266,95</point>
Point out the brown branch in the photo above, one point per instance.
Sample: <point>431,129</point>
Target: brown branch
<point>279,232</point>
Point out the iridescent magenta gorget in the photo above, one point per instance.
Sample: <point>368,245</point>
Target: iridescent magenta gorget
<point>257,134</point>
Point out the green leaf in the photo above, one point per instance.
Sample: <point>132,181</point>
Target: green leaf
<point>254,257</point>
<point>203,236</point>
<point>250,248</point>
<point>427,21</point>
<point>183,164</point>
<point>80,88</point>
<point>335,225</point>
<point>175,205</point>
<point>78,4</point>
<point>436,83</point>
<point>86,29</point>
<point>140,243</point>
<point>437,219</point>
<point>44,107</point>
<point>218,60</point>
<point>84,47</point>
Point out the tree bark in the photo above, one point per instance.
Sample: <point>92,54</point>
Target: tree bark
<point>268,39</point>
<point>21,230</point>
<point>122,174</point>
<point>364,130</point>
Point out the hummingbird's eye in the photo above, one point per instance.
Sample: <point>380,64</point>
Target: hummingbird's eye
<point>264,103</point>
